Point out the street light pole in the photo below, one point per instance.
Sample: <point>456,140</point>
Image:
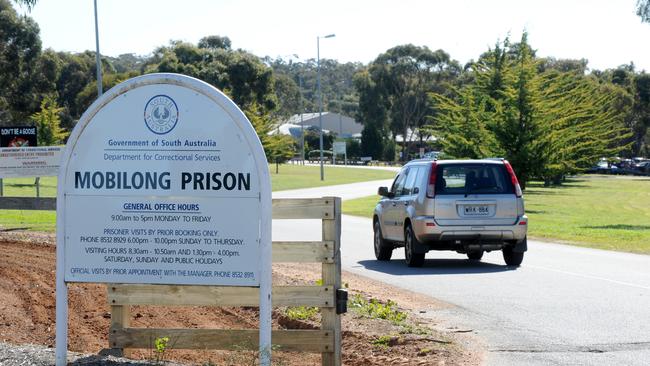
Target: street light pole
<point>340,95</point>
<point>320,104</point>
<point>302,122</point>
<point>97,56</point>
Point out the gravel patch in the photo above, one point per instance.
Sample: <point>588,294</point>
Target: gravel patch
<point>34,355</point>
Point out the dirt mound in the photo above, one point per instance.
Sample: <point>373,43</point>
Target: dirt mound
<point>27,316</point>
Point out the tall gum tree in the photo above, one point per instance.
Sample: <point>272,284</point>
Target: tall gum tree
<point>20,47</point>
<point>643,10</point>
<point>403,76</point>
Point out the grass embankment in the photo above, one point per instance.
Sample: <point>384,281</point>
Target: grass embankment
<point>299,176</point>
<point>290,177</point>
<point>605,212</point>
<point>33,220</point>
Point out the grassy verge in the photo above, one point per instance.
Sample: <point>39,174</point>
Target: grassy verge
<point>25,187</point>
<point>363,206</point>
<point>605,212</point>
<point>289,177</point>
<point>298,176</point>
<point>28,219</point>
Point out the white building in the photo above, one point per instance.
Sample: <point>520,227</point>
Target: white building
<point>342,126</point>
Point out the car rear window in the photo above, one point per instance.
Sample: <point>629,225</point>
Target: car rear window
<point>473,178</point>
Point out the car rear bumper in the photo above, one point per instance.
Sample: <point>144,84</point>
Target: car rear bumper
<point>427,230</point>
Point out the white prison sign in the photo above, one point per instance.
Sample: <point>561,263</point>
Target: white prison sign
<point>163,182</point>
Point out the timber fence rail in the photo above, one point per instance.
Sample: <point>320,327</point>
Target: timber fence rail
<point>28,203</point>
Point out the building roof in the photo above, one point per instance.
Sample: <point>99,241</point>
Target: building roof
<point>306,118</point>
<point>413,136</point>
<point>337,123</point>
<point>291,129</point>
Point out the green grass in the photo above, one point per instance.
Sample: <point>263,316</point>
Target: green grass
<point>374,309</point>
<point>33,220</point>
<point>297,176</point>
<point>361,206</point>
<point>302,312</point>
<point>605,212</point>
<point>28,219</point>
<point>290,177</point>
<point>24,187</point>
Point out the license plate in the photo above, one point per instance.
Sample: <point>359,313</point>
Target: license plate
<point>476,210</point>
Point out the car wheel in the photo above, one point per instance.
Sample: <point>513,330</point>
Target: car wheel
<point>383,251</point>
<point>512,258</point>
<point>412,259</point>
<point>476,255</point>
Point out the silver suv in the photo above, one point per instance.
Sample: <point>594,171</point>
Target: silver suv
<point>468,206</point>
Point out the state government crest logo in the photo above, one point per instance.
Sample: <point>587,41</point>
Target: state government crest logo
<point>161,114</point>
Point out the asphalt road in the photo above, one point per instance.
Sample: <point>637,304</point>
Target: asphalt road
<point>564,306</point>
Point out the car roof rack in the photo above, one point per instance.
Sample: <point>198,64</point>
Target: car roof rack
<point>494,159</point>
<point>423,159</point>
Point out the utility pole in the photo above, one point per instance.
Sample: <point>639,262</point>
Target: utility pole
<point>97,56</point>
<point>302,122</point>
<point>320,104</point>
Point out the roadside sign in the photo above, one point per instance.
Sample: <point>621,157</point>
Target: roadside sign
<point>30,161</point>
<point>164,181</point>
<point>174,187</point>
<point>339,147</point>
<point>18,136</point>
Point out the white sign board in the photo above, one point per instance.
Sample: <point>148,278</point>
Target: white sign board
<point>339,147</point>
<point>30,161</point>
<point>162,184</point>
<point>164,181</point>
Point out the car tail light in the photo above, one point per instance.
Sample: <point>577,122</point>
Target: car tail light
<point>513,179</point>
<point>431,187</point>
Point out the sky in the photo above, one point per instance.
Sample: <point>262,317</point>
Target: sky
<point>608,33</point>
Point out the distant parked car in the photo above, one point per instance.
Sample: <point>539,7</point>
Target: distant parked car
<point>601,168</point>
<point>431,155</point>
<point>643,167</point>
<point>467,206</point>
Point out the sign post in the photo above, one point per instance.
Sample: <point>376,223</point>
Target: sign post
<point>340,148</point>
<point>164,181</point>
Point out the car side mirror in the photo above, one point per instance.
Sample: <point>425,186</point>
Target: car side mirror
<point>416,190</point>
<point>383,191</point>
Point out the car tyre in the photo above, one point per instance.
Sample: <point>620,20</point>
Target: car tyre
<point>512,258</point>
<point>383,251</point>
<point>412,259</point>
<point>475,255</point>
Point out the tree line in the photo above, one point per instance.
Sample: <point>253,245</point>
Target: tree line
<point>548,116</point>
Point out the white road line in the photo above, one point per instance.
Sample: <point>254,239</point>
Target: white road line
<point>590,277</point>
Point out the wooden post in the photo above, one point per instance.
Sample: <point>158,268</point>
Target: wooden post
<point>120,319</point>
<point>37,182</point>
<point>332,277</point>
